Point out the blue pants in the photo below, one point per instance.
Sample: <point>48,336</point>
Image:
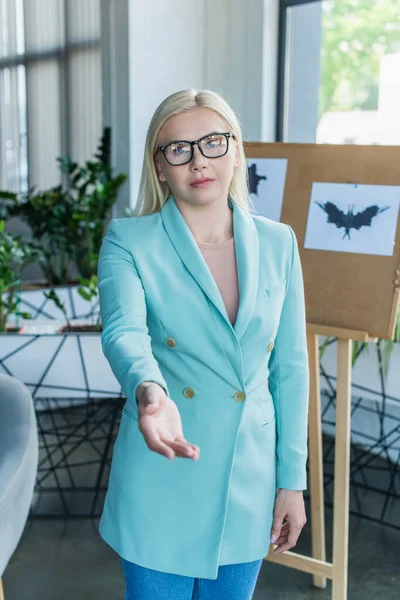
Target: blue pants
<point>234,582</point>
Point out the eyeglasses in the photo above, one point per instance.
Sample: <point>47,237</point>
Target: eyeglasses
<point>181,152</point>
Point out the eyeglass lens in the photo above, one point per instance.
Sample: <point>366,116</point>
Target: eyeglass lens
<point>212,146</point>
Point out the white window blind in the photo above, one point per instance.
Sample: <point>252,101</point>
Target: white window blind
<point>50,88</point>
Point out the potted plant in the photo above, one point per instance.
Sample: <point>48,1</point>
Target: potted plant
<point>62,357</point>
<point>60,360</point>
<point>15,255</point>
<point>87,290</point>
<point>67,224</point>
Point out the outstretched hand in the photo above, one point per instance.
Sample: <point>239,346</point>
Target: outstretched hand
<point>161,424</point>
<point>289,519</point>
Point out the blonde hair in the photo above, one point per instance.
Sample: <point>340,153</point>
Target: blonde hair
<point>153,193</point>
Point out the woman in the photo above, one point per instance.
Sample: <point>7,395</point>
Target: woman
<point>203,315</point>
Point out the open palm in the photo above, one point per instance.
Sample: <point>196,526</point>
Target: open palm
<point>161,424</point>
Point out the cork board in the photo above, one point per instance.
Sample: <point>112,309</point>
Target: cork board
<point>343,289</point>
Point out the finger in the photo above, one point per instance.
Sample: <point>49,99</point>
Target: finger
<point>183,439</point>
<point>276,527</point>
<point>163,449</point>
<point>189,452</point>
<point>282,548</point>
<point>282,539</point>
<point>165,437</point>
<point>290,543</point>
<point>284,534</point>
<point>181,448</point>
<point>154,442</point>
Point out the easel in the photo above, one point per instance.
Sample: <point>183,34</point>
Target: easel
<point>316,565</point>
<point>341,303</point>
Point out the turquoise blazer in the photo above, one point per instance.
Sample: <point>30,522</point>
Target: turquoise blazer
<point>242,390</point>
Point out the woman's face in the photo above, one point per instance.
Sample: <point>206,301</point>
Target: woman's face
<point>191,126</point>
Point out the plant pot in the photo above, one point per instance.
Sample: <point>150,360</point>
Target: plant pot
<point>59,368</point>
<point>33,301</point>
<point>81,328</point>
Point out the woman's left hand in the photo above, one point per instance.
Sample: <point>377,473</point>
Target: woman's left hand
<point>289,505</point>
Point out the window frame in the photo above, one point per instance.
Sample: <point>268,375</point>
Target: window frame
<point>61,54</point>
<point>284,5</point>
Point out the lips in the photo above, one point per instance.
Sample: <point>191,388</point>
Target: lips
<point>201,182</point>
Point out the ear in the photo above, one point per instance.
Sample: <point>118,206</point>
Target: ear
<point>237,159</point>
<point>160,173</point>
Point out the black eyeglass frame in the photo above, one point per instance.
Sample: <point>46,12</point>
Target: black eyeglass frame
<point>164,146</point>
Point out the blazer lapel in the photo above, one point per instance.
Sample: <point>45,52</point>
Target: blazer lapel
<point>247,259</point>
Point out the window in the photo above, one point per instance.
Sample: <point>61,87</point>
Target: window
<point>50,88</point>
<point>340,71</point>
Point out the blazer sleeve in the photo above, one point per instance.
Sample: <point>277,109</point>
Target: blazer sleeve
<point>289,381</point>
<point>125,338</point>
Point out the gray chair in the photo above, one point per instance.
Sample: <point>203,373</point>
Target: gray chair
<point>19,454</point>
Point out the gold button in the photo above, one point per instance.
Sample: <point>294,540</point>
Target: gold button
<point>188,393</point>
<point>270,346</point>
<point>170,342</point>
<point>239,396</point>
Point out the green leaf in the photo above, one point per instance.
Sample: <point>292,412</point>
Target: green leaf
<point>24,315</point>
<point>67,222</point>
<point>84,294</point>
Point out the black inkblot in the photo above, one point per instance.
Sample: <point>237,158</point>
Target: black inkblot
<point>254,179</point>
<point>350,220</point>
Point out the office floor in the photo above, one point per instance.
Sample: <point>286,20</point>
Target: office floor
<point>64,559</point>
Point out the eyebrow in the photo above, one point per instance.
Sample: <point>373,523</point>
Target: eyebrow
<point>182,140</point>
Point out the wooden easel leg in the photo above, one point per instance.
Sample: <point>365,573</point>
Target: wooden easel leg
<point>1,590</point>
<point>315,459</point>
<point>342,471</point>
